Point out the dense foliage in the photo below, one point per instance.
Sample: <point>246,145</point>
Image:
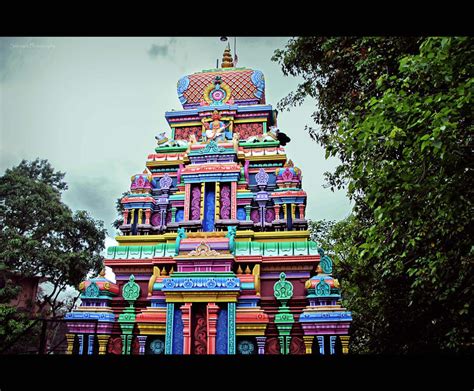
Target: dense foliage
<point>397,112</point>
<point>41,237</point>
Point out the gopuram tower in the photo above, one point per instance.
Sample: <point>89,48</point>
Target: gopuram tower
<point>215,255</point>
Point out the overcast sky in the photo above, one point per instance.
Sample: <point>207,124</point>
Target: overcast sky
<point>92,107</point>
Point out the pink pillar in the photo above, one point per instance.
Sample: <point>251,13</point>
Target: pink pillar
<point>277,212</point>
<point>125,216</point>
<point>147,216</point>
<point>212,311</point>
<point>187,196</point>
<point>233,201</point>
<point>186,316</point>
<point>301,207</point>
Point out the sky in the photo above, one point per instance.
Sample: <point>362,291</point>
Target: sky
<point>92,107</point>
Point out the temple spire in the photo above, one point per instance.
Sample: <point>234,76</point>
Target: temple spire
<point>227,61</point>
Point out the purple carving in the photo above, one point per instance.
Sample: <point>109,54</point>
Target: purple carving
<point>168,217</point>
<point>269,215</point>
<point>225,202</point>
<point>155,219</point>
<point>255,216</point>
<point>262,178</point>
<point>196,203</point>
<point>166,182</point>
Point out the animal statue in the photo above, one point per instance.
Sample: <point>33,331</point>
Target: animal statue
<point>163,141</point>
<point>181,235</point>
<point>273,134</point>
<point>235,141</point>
<point>192,141</point>
<point>232,231</point>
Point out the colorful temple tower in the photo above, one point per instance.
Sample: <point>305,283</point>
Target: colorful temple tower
<point>215,256</point>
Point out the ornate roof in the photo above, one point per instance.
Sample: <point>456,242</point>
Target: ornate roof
<point>247,86</point>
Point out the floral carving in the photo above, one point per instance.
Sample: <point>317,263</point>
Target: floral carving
<point>225,202</point>
<point>196,203</point>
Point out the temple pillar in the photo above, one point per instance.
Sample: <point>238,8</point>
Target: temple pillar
<point>187,201</point>
<point>70,343</point>
<point>285,212</point>
<point>140,216</point>
<point>126,343</point>
<point>173,214</point>
<point>186,315</point>
<point>277,211</point>
<point>142,343</point>
<point>233,200</point>
<point>321,344</point>
<point>169,328</point>
<point>147,216</point>
<point>125,216</point>
<point>332,344</point>
<point>203,187</point>
<point>308,343</point>
<point>81,343</point>
<point>90,344</point>
<point>217,203</point>
<point>231,328</point>
<point>301,208</point>
<point>212,312</point>
<point>103,340</point>
<point>261,344</point>
<point>345,343</point>
<point>248,208</point>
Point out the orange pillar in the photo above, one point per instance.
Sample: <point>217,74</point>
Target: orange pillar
<point>186,315</point>
<point>212,311</point>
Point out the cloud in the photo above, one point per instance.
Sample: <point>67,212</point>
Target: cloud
<point>162,50</point>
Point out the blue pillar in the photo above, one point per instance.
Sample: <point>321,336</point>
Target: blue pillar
<point>332,344</point>
<point>231,328</point>
<point>321,344</point>
<point>81,343</point>
<point>169,328</point>
<point>90,345</point>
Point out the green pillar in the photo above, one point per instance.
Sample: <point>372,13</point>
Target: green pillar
<point>169,328</point>
<point>283,291</point>
<point>130,292</point>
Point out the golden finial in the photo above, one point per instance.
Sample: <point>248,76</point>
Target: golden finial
<point>247,270</point>
<point>102,272</point>
<point>227,61</point>
<point>163,272</point>
<point>239,270</point>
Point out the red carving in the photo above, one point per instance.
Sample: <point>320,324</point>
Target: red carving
<point>135,346</point>
<point>200,334</point>
<point>184,132</point>
<point>114,345</point>
<point>249,129</point>
<point>272,346</point>
<point>297,346</point>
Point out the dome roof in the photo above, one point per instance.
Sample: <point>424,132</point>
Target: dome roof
<point>241,86</point>
<point>98,287</point>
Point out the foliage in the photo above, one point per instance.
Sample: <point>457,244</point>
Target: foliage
<point>397,112</point>
<point>119,207</point>
<point>41,237</point>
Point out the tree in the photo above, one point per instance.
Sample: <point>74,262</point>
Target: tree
<point>397,112</point>
<point>41,237</point>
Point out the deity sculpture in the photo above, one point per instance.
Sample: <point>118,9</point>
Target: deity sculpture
<point>217,129</point>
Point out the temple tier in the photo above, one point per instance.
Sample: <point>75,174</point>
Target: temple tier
<point>215,256</point>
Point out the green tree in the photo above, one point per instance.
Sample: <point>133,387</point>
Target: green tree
<point>397,112</point>
<point>41,237</point>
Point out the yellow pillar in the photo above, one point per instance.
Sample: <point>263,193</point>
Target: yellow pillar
<point>140,212</point>
<point>217,201</point>
<point>202,200</point>
<point>308,343</point>
<point>103,340</point>
<point>70,343</point>
<point>285,211</point>
<point>345,343</point>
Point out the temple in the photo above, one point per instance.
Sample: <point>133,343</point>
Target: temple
<point>215,255</point>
